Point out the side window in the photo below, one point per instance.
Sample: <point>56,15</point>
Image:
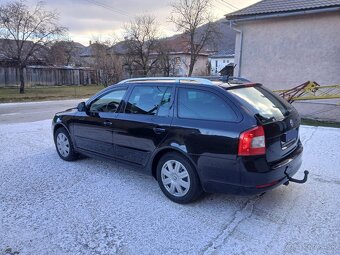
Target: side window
<point>149,100</point>
<point>108,102</point>
<point>204,105</point>
<point>164,106</point>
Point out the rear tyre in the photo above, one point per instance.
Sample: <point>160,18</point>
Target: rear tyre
<point>64,145</point>
<point>178,179</point>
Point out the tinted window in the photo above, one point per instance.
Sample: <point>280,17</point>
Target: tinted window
<point>149,100</point>
<point>108,102</point>
<point>200,104</point>
<point>263,102</point>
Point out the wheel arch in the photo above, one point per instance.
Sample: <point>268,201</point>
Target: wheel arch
<point>160,153</point>
<point>60,125</point>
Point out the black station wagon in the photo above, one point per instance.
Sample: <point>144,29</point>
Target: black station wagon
<point>191,134</point>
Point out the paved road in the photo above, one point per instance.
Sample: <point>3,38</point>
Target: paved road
<point>319,109</point>
<point>33,111</point>
<point>49,206</point>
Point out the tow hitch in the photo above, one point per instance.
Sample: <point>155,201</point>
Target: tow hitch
<point>295,180</point>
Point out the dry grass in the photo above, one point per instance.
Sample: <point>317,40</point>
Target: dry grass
<point>311,122</point>
<point>48,93</point>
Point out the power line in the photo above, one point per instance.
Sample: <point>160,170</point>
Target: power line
<point>108,7</point>
<point>229,4</point>
<point>219,5</point>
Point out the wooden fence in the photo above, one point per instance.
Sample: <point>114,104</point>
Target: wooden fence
<point>48,76</point>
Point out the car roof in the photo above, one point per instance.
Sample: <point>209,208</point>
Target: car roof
<point>224,81</point>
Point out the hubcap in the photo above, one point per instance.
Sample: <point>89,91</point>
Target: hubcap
<point>175,178</point>
<point>63,144</point>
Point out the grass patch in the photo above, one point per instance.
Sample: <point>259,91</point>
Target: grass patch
<point>311,122</point>
<point>48,93</point>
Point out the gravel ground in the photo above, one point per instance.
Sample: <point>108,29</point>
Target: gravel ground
<point>49,206</point>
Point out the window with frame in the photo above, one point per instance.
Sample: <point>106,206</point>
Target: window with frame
<point>108,102</point>
<point>149,100</point>
<point>203,105</point>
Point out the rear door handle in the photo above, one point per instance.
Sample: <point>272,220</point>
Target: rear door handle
<point>107,123</point>
<point>158,130</point>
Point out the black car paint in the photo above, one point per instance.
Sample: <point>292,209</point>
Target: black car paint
<point>211,146</point>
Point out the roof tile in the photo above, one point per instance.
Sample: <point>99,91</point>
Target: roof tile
<point>279,6</point>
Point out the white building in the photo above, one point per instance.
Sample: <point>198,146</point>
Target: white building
<point>221,60</point>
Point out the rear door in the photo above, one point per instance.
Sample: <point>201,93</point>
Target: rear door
<point>207,128</point>
<point>144,123</point>
<point>279,119</point>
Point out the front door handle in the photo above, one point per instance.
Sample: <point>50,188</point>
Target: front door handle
<point>158,130</point>
<point>107,123</point>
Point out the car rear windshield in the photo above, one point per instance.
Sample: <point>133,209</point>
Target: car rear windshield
<point>264,103</point>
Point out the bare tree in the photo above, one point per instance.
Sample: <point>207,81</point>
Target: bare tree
<point>106,62</point>
<point>27,32</point>
<point>188,16</point>
<point>64,53</point>
<point>166,63</point>
<point>141,41</point>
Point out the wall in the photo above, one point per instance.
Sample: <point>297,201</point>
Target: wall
<point>9,76</point>
<point>285,52</point>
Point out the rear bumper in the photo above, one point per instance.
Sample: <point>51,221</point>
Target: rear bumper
<point>249,182</point>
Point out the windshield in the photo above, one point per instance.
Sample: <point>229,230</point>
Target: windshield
<point>266,105</point>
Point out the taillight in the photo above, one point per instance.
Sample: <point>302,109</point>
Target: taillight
<point>252,142</point>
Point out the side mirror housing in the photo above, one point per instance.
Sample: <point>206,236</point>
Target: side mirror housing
<point>81,107</point>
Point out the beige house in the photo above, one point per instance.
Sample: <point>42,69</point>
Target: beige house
<point>282,44</point>
<point>181,64</point>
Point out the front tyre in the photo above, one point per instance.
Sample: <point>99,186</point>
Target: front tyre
<point>64,145</point>
<point>178,179</point>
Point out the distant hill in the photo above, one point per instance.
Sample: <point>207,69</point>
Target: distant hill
<point>224,40</point>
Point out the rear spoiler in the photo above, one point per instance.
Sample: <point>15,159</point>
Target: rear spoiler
<point>242,86</point>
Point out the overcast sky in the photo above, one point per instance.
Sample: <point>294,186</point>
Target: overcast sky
<point>91,19</point>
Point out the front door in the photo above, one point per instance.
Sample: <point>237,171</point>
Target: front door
<point>93,129</point>
<point>144,123</point>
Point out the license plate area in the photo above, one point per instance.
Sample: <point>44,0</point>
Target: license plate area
<point>289,138</point>
<point>290,135</point>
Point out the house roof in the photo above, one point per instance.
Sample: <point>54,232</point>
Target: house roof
<point>8,51</point>
<point>223,54</point>
<point>269,7</point>
<point>89,51</point>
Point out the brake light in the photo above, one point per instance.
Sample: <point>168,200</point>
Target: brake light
<point>252,142</point>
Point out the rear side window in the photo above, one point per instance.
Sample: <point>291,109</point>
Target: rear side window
<point>263,102</point>
<point>203,105</point>
<point>149,100</point>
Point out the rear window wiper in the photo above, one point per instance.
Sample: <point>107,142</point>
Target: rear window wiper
<point>263,119</point>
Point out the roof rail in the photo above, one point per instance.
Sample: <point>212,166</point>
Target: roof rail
<point>225,78</point>
<point>169,79</point>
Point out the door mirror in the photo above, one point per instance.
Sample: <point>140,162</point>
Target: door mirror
<point>81,107</point>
